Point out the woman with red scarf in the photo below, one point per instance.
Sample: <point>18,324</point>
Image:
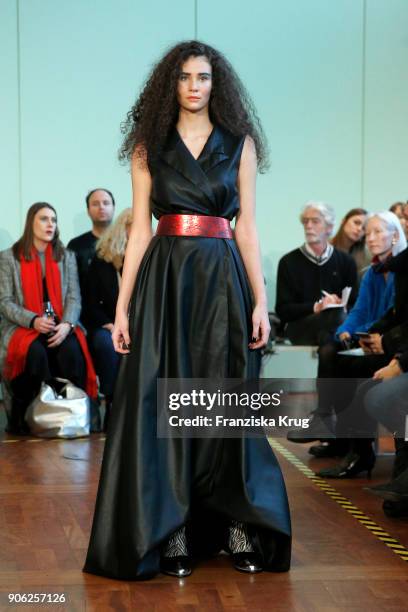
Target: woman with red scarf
<point>34,346</point>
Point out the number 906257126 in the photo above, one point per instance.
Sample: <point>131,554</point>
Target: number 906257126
<point>43,598</point>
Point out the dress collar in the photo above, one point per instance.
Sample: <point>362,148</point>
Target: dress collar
<point>177,155</point>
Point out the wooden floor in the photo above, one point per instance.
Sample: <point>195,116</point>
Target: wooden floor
<point>47,492</point>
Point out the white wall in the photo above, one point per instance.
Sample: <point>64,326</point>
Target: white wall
<point>328,78</point>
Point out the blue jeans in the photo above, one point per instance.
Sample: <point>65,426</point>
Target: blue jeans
<point>106,359</point>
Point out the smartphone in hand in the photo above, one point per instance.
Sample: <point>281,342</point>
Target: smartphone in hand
<point>362,335</point>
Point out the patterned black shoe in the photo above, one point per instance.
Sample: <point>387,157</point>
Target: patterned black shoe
<point>248,562</point>
<point>175,560</point>
<point>180,566</point>
<point>243,556</point>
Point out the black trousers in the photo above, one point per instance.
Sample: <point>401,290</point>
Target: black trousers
<point>340,375</point>
<point>316,328</point>
<point>43,363</point>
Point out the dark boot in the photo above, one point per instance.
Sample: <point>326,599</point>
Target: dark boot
<point>401,457</point>
<point>16,424</point>
<point>396,490</point>
<point>395,509</point>
<point>95,416</point>
<point>361,458</point>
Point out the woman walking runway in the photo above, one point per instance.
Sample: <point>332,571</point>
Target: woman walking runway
<point>197,310</point>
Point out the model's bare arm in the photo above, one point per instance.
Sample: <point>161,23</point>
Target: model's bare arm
<point>248,243</point>
<point>139,239</point>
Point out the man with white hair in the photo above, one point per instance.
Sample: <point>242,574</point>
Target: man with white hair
<point>311,279</point>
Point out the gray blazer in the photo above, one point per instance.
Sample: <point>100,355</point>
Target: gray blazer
<point>12,312</point>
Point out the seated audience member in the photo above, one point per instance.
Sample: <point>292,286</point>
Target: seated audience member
<point>100,297</point>
<point>388,339</point>
<point>350,238</point>
<point>311,279</point>
<point>392,329</point>
<point>37,275</point>
<point>387,403</point>
<point>390,332</point>
<point>385,237</point>
<point>381,399</point>
<point>401,210</point>
<point>100,205</point>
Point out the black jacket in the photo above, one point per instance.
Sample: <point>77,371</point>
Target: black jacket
<point>393,326</point>
<point>84,249</point>
<point>101,292</point>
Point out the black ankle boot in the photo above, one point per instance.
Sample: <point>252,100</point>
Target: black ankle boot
<point>401,457</point>
<point>175,560</point>
<point>16,424</point>
<point>396,490</point>
<point>96,426</point>
<point>361,458</point>
<point>397,509</point>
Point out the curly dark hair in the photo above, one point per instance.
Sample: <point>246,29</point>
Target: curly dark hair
<point>156,110</point>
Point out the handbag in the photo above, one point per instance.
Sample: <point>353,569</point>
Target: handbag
<point>60,410</point>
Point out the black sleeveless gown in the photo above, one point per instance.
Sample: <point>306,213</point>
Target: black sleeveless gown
<point>190,317</point>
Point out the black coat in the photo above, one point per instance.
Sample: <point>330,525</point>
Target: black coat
<point>84,249</point>
<point>393,326</point>
<point>100,294</point>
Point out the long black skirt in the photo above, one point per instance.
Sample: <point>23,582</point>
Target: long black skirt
<point>190,317</point>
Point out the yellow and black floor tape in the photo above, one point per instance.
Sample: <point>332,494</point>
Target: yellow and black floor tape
<point>342,501</point>
<point>28,440</point>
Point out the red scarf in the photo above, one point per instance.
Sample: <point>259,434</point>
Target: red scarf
<point>32,286</point>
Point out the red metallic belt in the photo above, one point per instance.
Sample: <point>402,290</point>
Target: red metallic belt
<point>194,225</point>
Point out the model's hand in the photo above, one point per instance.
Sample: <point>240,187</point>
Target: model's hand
<point>372,344</point>
<point>44,325</point>
<point>344,336</point>
<point>260,327</point>
<point>61,332</point>
<point>108,326</point>
<point>120,334</point>
<point>392,370</point>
